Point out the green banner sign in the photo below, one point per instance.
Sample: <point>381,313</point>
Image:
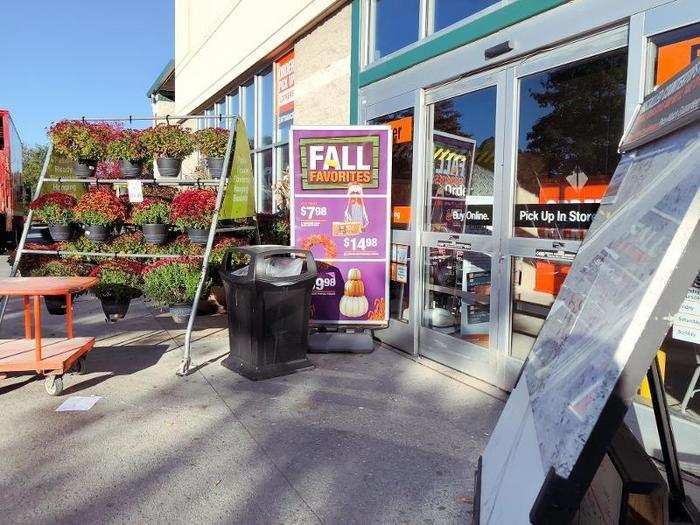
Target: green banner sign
<point>239,199</point>
<point>62,168</point>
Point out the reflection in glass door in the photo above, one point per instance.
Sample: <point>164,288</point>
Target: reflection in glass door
<point>459,240</point>
<point>400,332</point>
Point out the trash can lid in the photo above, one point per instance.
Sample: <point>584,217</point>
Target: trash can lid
<point>271,263</point>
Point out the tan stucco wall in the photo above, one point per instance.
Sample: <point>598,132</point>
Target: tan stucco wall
<point>217,41</point>
<point>322,72</point>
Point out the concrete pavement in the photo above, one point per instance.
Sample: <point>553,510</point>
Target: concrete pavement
<point>375,438</point>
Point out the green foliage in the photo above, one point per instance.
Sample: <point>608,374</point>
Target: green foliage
<point>172,284</point>
<point>127,146</point>
<point>32,163</point>
<point>132,242</point>
<point>166,140</point>
<point>55,214</point>
<point>192,223</point>
<point>84,244</point>
<point>180,246</point>
<point>95,217</point>
<point>62,268</point>
<point>119,285</point>
<point>151,212</point>
<point>79,140</point>
<point>212,142</point>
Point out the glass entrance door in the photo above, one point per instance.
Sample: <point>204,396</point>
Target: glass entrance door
<point>459,241</point>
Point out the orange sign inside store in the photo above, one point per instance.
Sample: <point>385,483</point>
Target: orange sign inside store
<point>400,214</point>
<point>402,129</point>
<point>672,58</point>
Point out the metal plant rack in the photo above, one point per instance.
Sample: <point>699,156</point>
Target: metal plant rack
<point>220,184</point>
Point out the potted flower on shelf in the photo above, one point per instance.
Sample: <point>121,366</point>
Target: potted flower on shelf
<point>98,210</point>
<point>56,210</point>
<point>173,283</point>
<point>128,243</point>
<point>120,282</point>
<point>212,142</point>
<point>153,215</point>
<point>56,304</point>
<point>181,245</point>
<point>82,142</point>
<point>127,148</point>
<point>169,144</point>
<point>192,212</point>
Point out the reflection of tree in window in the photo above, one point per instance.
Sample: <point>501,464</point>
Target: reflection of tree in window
<point>576,124</point>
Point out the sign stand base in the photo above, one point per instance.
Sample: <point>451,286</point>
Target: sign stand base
<point>347,342</point>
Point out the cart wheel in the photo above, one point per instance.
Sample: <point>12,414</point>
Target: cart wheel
<point>80,366</point>
<point>53,385</point>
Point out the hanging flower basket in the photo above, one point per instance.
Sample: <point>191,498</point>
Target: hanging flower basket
<point>168,144</point>
<point>153,215</point>
<point>192,212</point>
<point>56,304</point>
<point>128,149</point>
<point>56,210</point>
<point>120,282</point>
<point>84,143</point>
<point>212,142</point>
<point>99,210</point>
<point>173,283</point>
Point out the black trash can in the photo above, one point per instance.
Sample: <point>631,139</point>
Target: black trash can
<point>268,301</point>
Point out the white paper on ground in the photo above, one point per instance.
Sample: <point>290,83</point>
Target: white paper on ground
<point>74,403</point>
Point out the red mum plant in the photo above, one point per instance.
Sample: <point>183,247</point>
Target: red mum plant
<point>221,246</point>
<point>193,209</point>
<point>100,207</point>
<point>81,141</point>
<point>54,208</point>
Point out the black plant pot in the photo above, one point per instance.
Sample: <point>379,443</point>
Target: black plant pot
<point>198,236</point>
<point>55,304</point>
<point>155,233</point>
<point>169,166</point>
<point>97,232</point>
<point>84,168</point>
<point>130,169</point>
<point>215,165</point>
<point>180,313</point>
<point>114,310</point>
<point>61,232</point>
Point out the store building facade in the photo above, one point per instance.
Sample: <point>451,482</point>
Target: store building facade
<point>292,68</point>
<point>506,117</point>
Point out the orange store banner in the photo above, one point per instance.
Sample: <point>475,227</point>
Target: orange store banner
<point>285,84</point>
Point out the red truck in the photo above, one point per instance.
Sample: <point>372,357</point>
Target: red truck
<point>11,188</point>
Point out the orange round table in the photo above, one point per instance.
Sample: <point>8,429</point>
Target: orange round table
<point>51,357</point>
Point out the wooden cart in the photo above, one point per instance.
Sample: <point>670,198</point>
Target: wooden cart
<point>51,357</point>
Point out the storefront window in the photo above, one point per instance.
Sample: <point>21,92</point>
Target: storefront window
<point>399,283</point>
<point>535,283</point>
<point>266,108</point>
<point>461,185</point>
<point>220,111</point>
<point>571,120</point>
<point>448,12</point>
<point>401,123</point>
<point>265,180</point>
<point>234,101</point>
<point>249,113</point>
<point>458,294</point>
<point>394,25</point>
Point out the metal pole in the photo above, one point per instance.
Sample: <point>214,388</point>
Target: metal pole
<point>186,350</point>
<point>151,118</point>
<point>668,442</point>
<point>26,227</point>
